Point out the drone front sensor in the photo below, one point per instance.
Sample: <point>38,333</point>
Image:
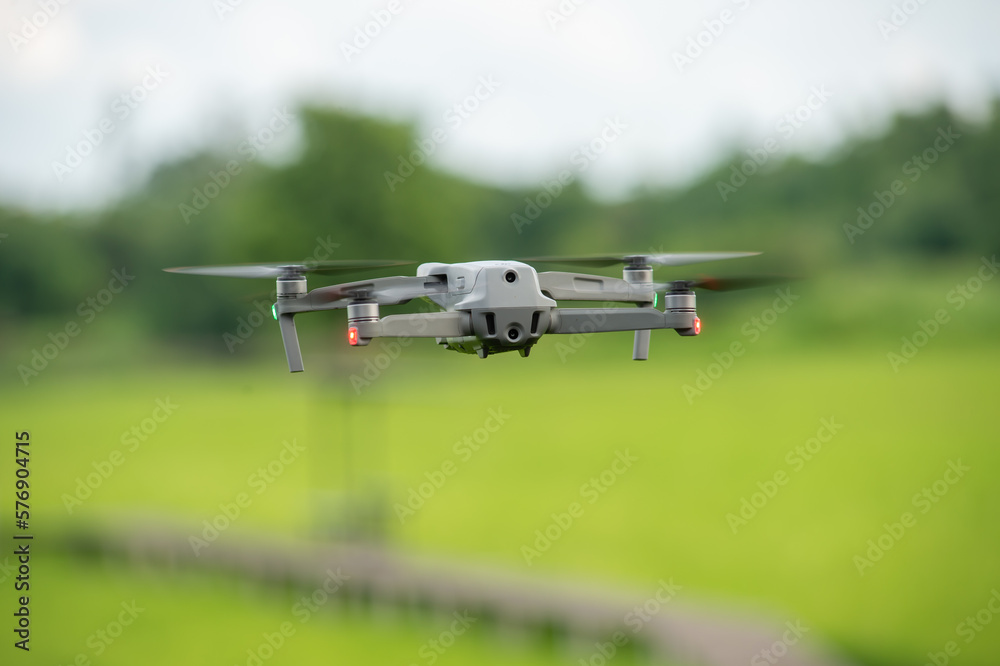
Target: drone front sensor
<point>490,307</point>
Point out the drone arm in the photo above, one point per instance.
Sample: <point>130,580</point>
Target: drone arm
<point>604,320</point>
<point>384,291</point>
<point>420,325</point>
<point>582,287</point>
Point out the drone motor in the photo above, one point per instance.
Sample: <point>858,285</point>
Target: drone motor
<point>494,306</point>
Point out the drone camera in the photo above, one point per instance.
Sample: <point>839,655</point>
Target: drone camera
<point>486,306</point>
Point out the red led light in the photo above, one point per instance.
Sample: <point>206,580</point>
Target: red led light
<point>352,335</point>
<point>697,326</point>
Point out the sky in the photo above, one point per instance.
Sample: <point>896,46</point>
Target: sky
<point>95,93</point>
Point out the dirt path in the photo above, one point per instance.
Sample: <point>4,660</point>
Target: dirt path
<point>593,623</point>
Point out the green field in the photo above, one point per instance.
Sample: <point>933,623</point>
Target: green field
<point>193,620</point>
<point>566,419</point>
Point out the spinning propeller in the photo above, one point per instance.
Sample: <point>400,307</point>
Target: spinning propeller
<point>277,270</point>
<point>494,306</point>
<point>640,260</point>
<point>725,283</point>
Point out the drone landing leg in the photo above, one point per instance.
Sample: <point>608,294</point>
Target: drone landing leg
<point>640,346</point>
<point>288,336</point>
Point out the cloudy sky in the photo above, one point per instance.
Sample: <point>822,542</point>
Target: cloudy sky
<point>96,92</point>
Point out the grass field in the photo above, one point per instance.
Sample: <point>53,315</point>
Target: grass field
<point>667,515</point>
<point>188,619</point>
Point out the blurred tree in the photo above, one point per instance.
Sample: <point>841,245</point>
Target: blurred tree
<point>356,190</point>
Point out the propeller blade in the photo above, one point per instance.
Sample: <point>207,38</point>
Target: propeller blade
<point>685,258</point>
<point>726,283</point>
<point>276,270</point>
<point>656,259</point>
<point>744,282</point>
<point>248,271</point>
<point>597,261</point>
<point>385,291</point>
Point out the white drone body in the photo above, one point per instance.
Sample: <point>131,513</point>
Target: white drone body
<point>489,307</point>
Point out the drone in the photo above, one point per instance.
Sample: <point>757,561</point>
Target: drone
<point>489,307</point>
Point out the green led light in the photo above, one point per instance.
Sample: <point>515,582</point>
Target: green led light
<point>655,296</point>
<point>274,311</point>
